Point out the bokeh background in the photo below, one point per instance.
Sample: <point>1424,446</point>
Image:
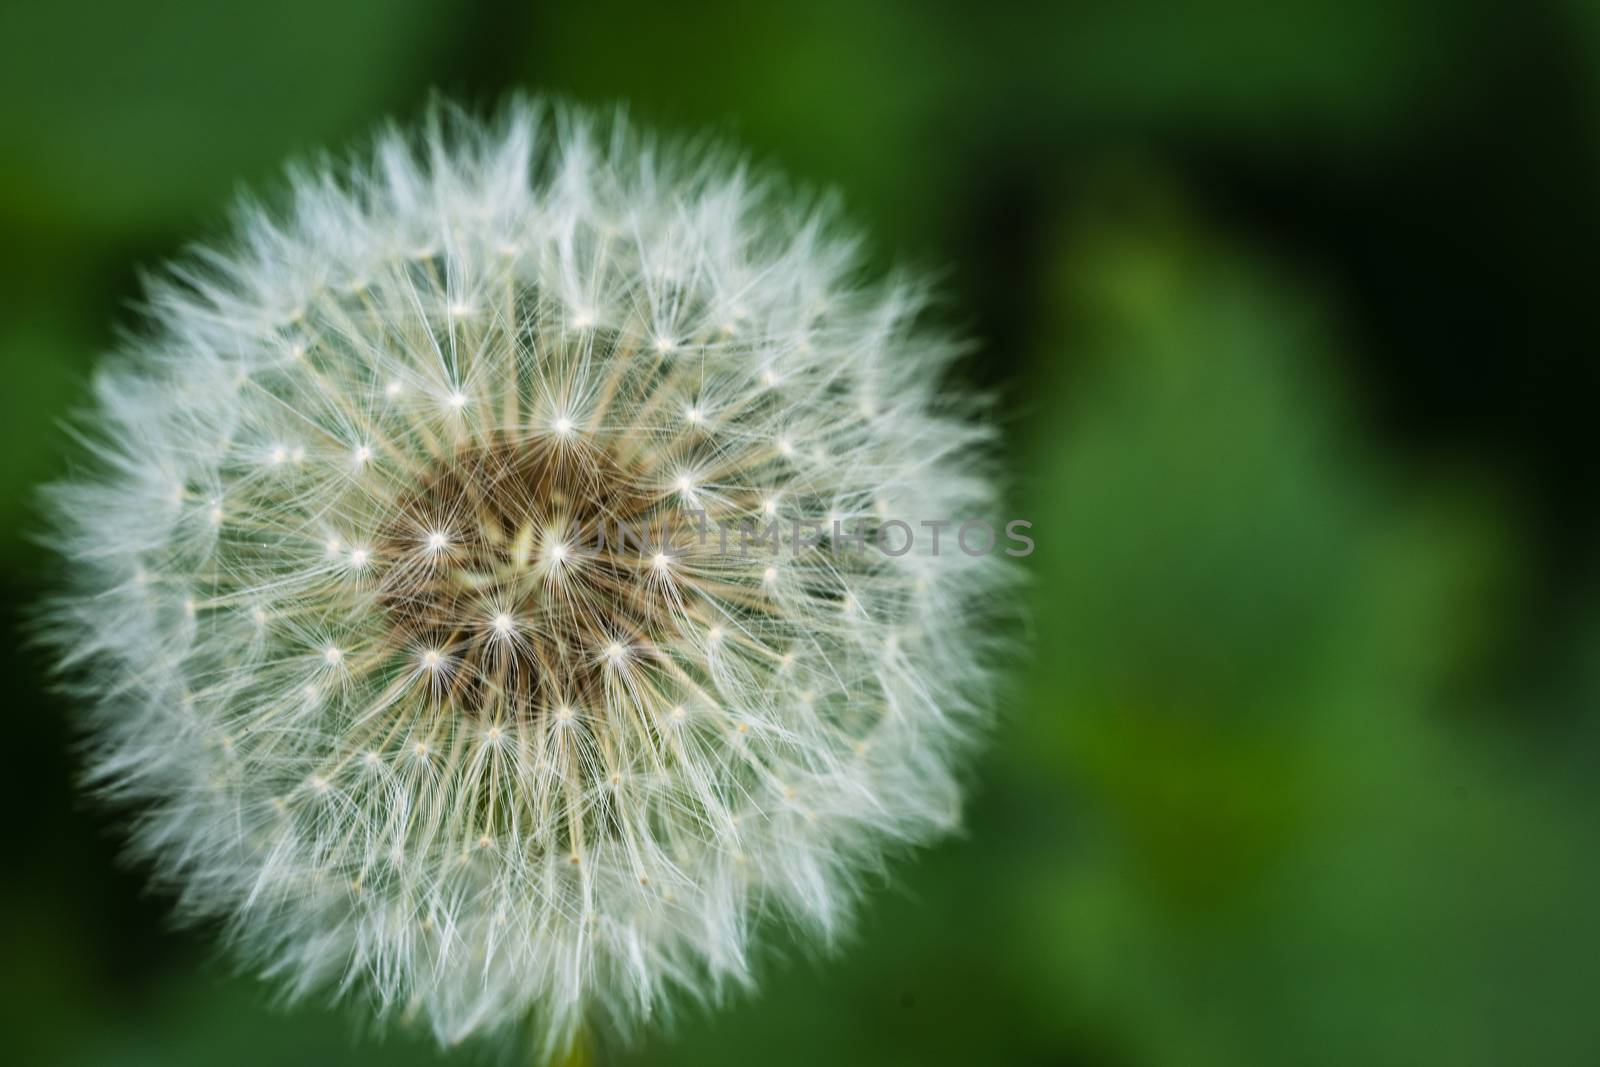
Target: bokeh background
<point>1291,312</point>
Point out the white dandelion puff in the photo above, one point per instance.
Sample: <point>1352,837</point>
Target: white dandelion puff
<point>389,710</point>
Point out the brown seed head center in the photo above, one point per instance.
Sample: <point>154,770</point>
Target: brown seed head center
<point>509,584</point>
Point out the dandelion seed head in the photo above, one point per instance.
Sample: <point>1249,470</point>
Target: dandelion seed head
<point>480,766</point>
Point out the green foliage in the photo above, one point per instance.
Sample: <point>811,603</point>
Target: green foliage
<point>1288,850</point>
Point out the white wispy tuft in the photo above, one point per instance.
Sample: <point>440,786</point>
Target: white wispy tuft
<point>384,702</point>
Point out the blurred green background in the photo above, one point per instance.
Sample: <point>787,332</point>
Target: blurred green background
<point>1291,310</point>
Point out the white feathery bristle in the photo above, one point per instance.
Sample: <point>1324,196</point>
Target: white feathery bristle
<point>385,705</point>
